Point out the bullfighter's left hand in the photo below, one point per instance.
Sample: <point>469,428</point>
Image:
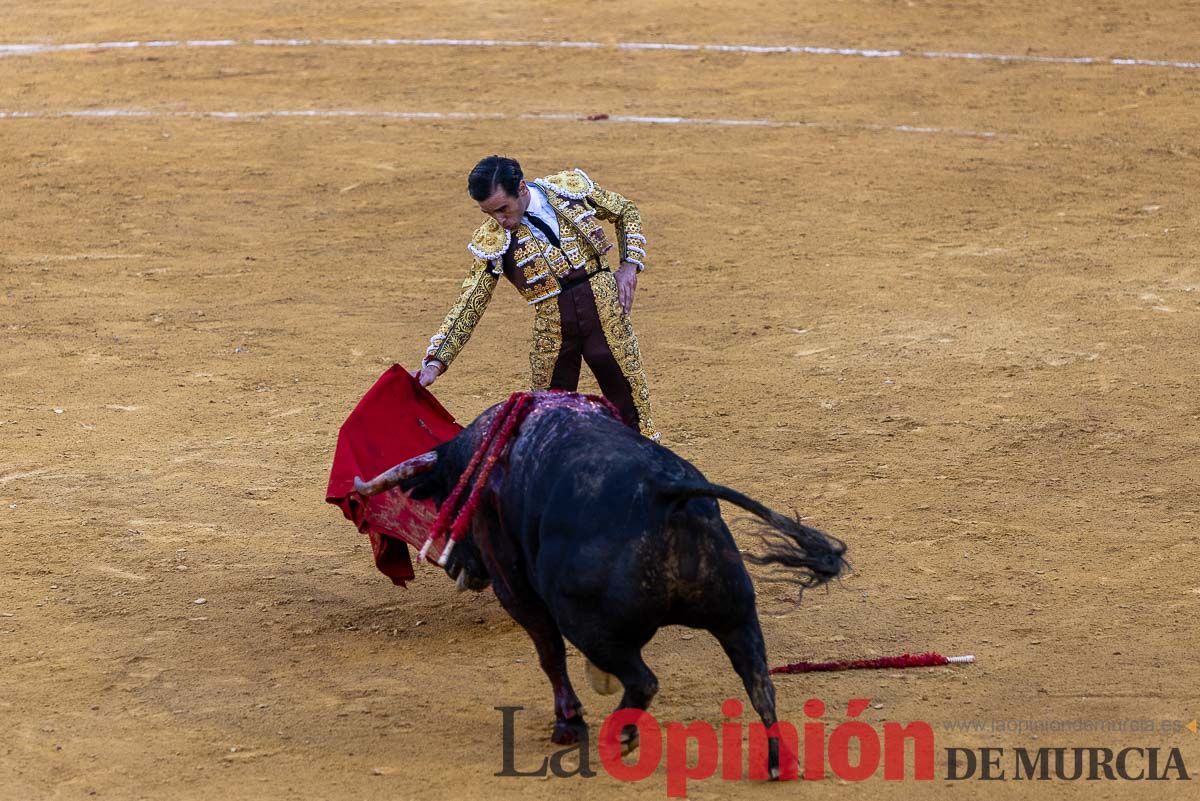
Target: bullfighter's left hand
<point>626,283</point>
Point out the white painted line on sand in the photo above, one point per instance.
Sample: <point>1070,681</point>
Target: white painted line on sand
<point>36,48</point>
<point>120,113</point>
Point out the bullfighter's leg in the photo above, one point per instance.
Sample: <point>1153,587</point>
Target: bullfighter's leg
<point>620,367</point>
<point>566,366</point>
<point>744,646</point>
<point>580,303</point>
<point>565,374</point>
<point>553,355</point>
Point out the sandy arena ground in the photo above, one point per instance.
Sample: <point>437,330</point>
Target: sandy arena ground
<point>972,357</point>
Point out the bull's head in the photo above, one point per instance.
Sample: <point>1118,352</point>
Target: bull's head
<point>432,476</point>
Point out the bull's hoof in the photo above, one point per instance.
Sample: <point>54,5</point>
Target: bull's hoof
<point>629,740</point>
<point>603,683</point>
<point>569,732</point>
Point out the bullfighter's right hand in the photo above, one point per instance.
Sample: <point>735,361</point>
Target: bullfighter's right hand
<point>430,372</point>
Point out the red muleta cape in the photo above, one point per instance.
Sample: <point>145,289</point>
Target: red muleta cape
<point>396,420</point>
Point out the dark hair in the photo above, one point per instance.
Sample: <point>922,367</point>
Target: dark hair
<point>493,172</point>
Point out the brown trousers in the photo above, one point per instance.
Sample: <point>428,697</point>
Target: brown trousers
<point>585,323</point>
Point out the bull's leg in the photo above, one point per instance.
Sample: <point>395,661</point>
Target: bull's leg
<point>641,685</point>
<point>529,611</point>
<point>746,651</point>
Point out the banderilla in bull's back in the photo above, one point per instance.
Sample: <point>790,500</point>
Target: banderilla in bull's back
<point>587,530</point>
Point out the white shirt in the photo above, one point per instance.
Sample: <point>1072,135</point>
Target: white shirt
<point>540,206</point>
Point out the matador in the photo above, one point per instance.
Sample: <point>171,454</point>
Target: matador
<point>545,237</point>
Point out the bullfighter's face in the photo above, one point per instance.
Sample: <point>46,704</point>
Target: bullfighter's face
<point>507,209</point>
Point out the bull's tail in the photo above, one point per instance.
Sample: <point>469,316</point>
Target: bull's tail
<point>789,542</point>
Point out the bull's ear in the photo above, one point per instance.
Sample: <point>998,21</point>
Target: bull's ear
<point>422,486</point>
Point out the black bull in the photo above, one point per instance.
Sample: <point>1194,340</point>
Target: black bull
<point>589,531</point>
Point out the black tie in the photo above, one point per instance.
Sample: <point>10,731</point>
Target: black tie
<point>545,229</point>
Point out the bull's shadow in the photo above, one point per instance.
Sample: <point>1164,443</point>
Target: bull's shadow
<point>589,531</point>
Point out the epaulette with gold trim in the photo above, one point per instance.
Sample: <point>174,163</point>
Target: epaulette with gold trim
<point>573,184</point>
<point>490,241</point>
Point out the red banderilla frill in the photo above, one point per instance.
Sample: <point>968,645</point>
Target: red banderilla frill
<point>903,661</point>
<point>497,437</point>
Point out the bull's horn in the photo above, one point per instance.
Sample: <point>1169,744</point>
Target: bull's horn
<point>389,479</point>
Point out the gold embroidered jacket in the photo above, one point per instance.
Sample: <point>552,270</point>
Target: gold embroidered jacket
<point>533,265</point>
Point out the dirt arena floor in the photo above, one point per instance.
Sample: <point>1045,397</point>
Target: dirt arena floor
<point>952,319</point>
